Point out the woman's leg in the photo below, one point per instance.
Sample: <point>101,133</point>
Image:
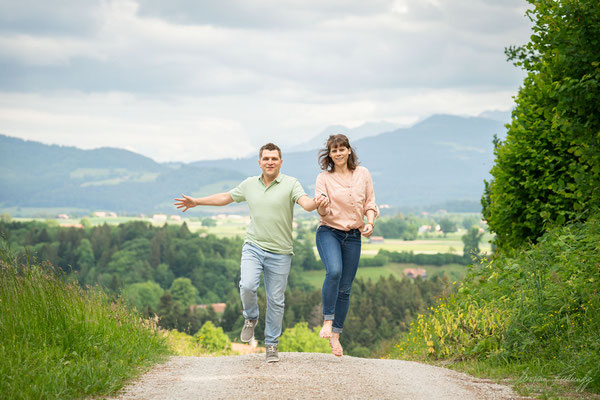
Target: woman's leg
<point>350,256</point>
<point>328,245</point>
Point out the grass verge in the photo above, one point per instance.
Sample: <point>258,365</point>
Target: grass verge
<point>59,341</point>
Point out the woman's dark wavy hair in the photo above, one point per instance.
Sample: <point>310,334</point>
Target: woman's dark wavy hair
<point>327,163</point>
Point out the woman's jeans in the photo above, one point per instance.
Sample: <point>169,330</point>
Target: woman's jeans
<point>276,268</point>
<point>340,252</point>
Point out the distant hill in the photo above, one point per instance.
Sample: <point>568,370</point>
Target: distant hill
<point>362,131</point>
<point>33,174</point>
<point>441,159</point>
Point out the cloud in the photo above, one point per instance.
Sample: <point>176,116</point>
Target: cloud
<point>248,71</point>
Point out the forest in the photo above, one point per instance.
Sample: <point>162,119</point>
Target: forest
<point>167,271</point>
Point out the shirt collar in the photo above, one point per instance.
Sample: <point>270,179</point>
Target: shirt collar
<point>278,179</point>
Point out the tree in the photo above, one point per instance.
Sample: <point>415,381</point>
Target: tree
<point>208,222</point>
<point>547,170</point>
<point>448,225</point>
<point>184,292</point>
<point>471,241</point>
<point>144,296</point>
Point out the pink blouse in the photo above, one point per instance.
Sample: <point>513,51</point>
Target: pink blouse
<point>348,200</point>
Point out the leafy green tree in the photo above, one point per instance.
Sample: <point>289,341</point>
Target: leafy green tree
<point>547,170</point>
<point>471,241</point>
<point>144,296</point>
<point>208,222</point>
<point>184,292</point>
<point>448,225</point>
<point>301,338</point>
<point>164,276</point>
<point>212,338</point>
<point>85,259</point>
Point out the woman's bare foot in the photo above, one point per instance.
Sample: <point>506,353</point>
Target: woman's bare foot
<point>336,346</point>
<point>326,329</point>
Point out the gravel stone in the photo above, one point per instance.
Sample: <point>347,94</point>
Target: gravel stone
<point>307,376</point>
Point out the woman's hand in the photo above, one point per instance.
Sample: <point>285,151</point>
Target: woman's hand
<point>322,201</point>
<point>187,202</point>
<point>368,230</point>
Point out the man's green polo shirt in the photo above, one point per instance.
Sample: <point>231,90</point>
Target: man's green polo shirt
<point>271,211</point>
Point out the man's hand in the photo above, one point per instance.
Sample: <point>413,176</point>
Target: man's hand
<point>367,230</point>
<point>187,202</point>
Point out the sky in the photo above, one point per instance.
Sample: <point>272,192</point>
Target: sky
<point>187,80</point>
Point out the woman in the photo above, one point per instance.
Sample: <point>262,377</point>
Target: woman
<point>344,195</point>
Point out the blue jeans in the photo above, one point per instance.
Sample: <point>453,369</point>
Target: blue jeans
<point>340,253</point>
<point>276,268</point>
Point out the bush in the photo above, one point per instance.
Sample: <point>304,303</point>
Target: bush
<point>539,306</point>
<point>301,338</point>
<point>213,339</point>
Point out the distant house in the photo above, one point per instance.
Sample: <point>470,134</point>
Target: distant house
<point>217,307</point>
<point>62,216</point>
<point>376,239</point>
<point>65,225</point>
<point>159,217</point>
<point>175,217</point>
<point>99,214</point>
<point>414,272</point>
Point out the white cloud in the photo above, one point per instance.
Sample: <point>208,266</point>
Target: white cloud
<point>166,78</point>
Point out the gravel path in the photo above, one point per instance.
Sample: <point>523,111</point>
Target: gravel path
<point>306,376</point>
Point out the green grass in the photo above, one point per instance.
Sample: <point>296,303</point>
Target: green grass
<point>59,341</point>
<point>455,272</point>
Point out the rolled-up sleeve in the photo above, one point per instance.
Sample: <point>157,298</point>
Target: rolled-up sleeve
<point>370,195</point>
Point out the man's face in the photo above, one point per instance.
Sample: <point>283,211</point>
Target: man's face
<point>270,163</point>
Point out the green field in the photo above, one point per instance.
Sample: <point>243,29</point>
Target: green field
<point>455,272</point>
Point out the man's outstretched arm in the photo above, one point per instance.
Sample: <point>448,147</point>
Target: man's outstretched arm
<point>219,199</point>
<point>307,203</point>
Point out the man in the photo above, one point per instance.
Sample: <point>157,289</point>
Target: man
<point>268,245</point>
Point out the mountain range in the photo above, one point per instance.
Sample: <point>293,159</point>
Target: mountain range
<point>441,159</point>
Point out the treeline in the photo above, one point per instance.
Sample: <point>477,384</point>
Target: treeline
<point>406,227</point>
<point>167,270</point>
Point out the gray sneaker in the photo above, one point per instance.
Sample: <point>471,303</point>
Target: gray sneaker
<point>272,354</point>
<point>248,330</point>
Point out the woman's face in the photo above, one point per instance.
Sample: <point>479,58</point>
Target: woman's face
<point>339,155</point>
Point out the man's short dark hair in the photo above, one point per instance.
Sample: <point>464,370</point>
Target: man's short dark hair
<point>269,146</point>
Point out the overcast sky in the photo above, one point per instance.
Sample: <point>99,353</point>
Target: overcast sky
<point>185,80</point>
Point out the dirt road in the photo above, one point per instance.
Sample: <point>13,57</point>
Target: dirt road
<point>307,376</point>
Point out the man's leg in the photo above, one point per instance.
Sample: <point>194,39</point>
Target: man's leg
<point>277,269</point>
<point>251,268</point>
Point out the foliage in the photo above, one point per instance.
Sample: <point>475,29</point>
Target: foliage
<point>212,338</point>
<point>59,341</point>
<point>408,257</point>
<point>547,171</point>
<point>184,292</point>
<point>397,227</point>
<point>301,338</point>
<point>144,296</point>
<point>448,225</point>
<point>539,306</point>
<point>471,240</point>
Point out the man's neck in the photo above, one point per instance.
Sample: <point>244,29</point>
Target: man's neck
<point>267,181</point>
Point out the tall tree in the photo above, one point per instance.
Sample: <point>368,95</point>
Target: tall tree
<point>547,169</point>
